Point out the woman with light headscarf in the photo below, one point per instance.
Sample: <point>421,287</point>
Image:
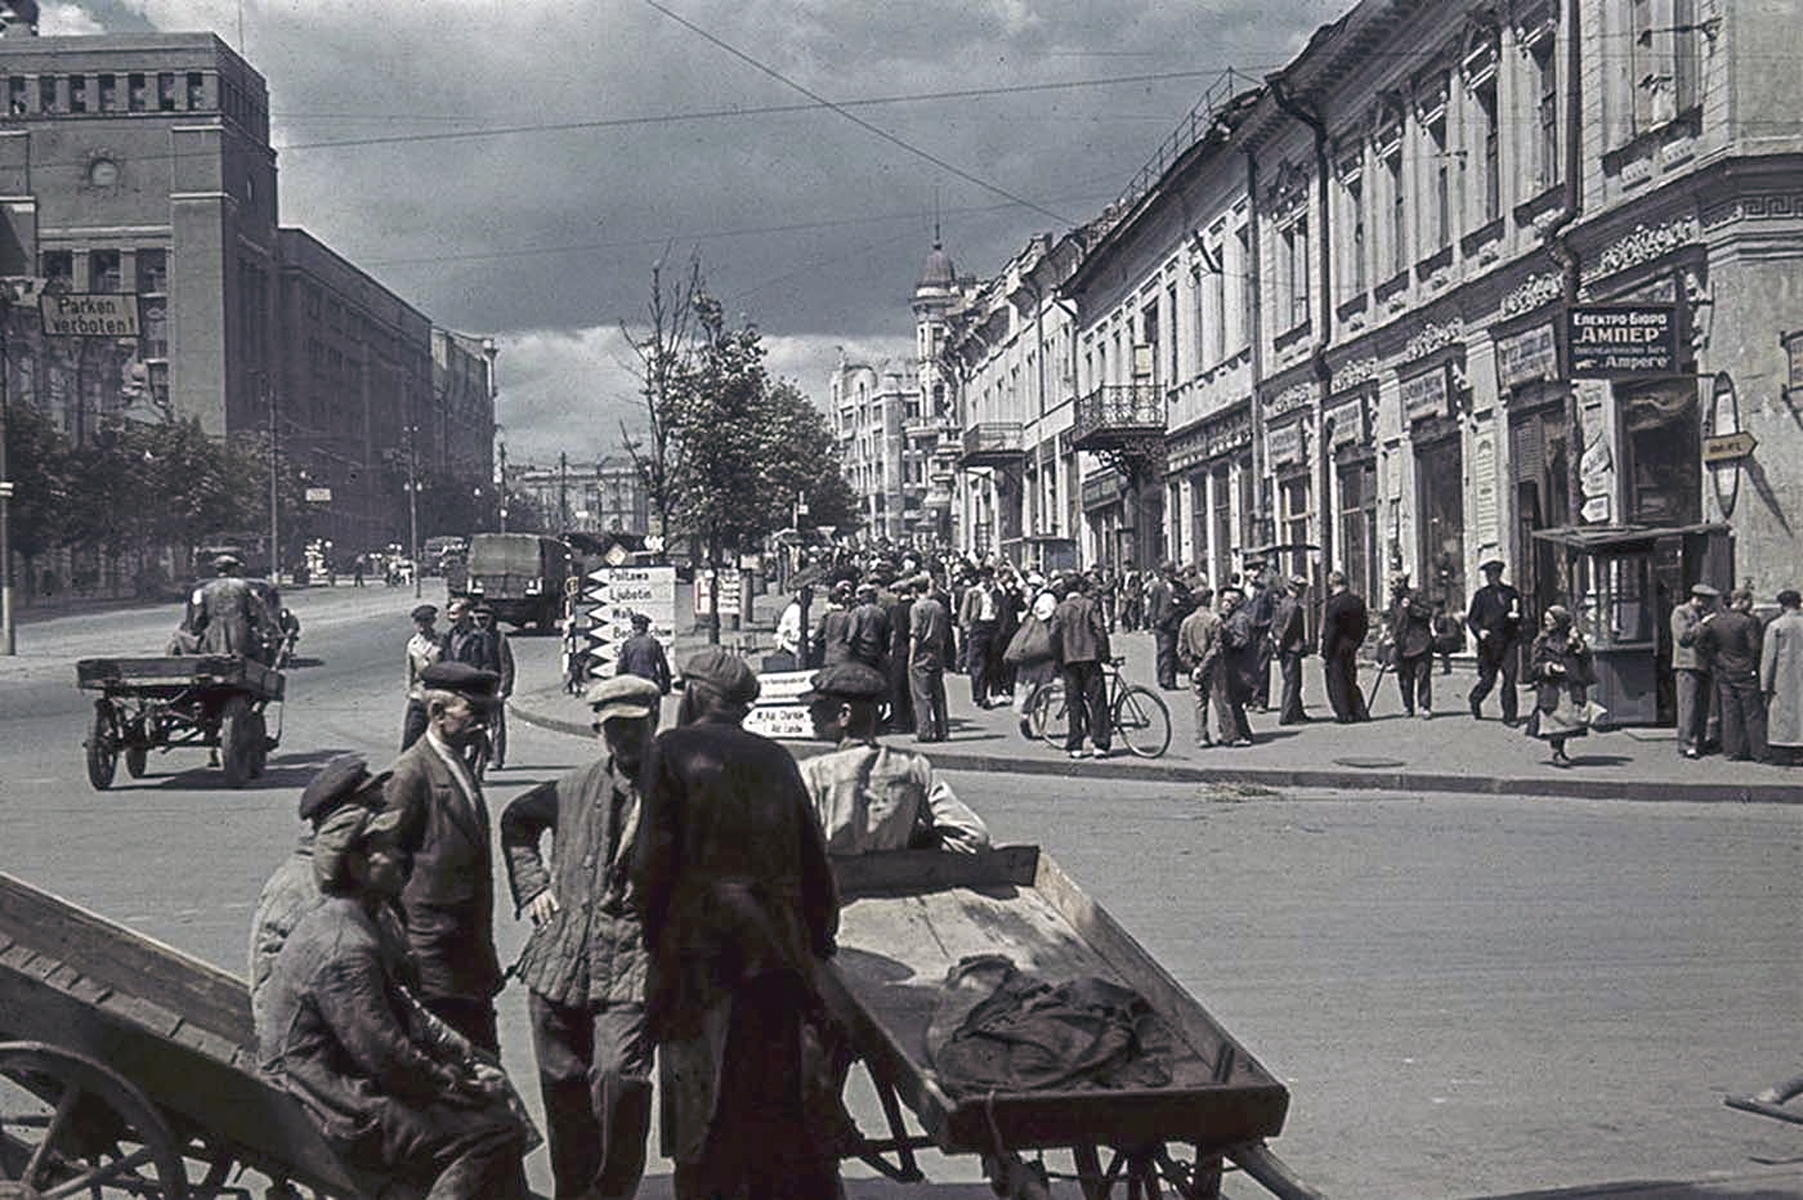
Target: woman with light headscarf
<point>1560,670</point>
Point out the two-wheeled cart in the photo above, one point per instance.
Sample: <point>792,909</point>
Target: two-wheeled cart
<point>218,701</point>
<point>127,1069</point>
<point>909,917</point>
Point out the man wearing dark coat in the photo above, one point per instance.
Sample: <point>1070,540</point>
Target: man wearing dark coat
<point>1236,676</point>
<point>1261,605</point>
<point>868,635</point>
<point>739,905</point>
<point>1164,619</point>
<point>898,604</point>
<point>444,826</point>
<point>1730,641</point>
<point>1289,638</point>
<point>392,1089</point>
<point>225,614</point>
<point>1495,621</point>
<point>1412,634</point>
<point>643,655</point>
<point>1344,624</point>
<point>584,964</point>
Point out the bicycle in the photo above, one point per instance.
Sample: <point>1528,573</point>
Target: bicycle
<point>1139,714</point>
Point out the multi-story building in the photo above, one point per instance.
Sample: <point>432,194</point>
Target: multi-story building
<point>895,422</point>
<point>603,496</point>
<point>140,166</point>
<point>1512,281</point>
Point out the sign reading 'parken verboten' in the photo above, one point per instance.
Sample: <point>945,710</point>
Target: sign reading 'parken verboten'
<point>94,314</point>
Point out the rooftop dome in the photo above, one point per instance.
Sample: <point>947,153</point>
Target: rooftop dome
<point>937,271</point>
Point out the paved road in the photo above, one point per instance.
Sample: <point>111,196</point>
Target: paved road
<point>1468,996</point>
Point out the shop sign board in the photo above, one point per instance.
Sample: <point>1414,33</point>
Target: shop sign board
<point>1285,443</point>
<point>1527,357</point>
<point>1425,395</point>
<point>1607,341</point>
<point>93,314</point>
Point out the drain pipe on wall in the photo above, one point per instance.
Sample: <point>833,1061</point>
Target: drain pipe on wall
<point>1557,236</point>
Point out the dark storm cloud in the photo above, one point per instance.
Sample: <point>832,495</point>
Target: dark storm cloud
<point>811,225</point>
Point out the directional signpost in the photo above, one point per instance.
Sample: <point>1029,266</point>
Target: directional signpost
<point>1729,447</point>
<point>610,596</point>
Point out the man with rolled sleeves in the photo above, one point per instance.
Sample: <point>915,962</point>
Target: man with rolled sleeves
<point>584,964</point>
<point>1495,621</point>
<point>443,826</point>
<point>1690,670</point>
<point>424,648</point>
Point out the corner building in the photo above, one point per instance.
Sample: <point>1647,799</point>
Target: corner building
<point>1344,306</point>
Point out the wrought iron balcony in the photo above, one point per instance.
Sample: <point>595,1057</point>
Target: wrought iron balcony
<point>993,444</point>
<point>1118,415</point>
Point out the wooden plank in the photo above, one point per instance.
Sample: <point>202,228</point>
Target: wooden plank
<point>910,872</point>
<point>123,960</point>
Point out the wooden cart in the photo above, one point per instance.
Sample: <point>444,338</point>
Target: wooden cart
<point>126,1070</point>
<point>909,917</point>
<point>219,701</point>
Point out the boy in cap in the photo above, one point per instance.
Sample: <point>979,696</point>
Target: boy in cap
<point>290,892</point>
<point>584,964</point>
<point>423,649</point>
<point>870,796</point>
<point>391,1089</point>
<point>739,904</point>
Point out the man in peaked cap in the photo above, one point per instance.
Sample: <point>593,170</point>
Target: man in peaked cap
<point>444,826</point>
<point>584,964</point>
<point>739,905</point>
<point>224,614</point>
<point>290,892</point>
<point>1495,618</point>
<point>423,649</point>
<point>1690,671</point>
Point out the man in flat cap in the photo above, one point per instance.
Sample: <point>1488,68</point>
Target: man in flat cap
<point>392,1089</point>
<point>444,828</point>
<point>423,649</point>
<point>1495,621</point>
<point>643,655</point>
<point>1412,645</point>
<point>1690,670</point>
<point>739,905</point>
<point>1730,642</point>
<point>290,892</point>
<point>584,964</point>
<point>224,614</point>
<point>1289,638</point>
<point>870,796</point>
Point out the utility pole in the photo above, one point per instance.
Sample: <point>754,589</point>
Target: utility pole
<point>413,506</point>
<point>501,451</point>
<point>563,492</point>
<point>275,554</point>
<point>8,637</point>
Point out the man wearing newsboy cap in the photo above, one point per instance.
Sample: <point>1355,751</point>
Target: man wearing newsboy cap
<point>739,905</point>
<point>444,826</point>
<point>584,964</point>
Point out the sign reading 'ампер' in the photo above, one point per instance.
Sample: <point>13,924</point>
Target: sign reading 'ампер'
<point>1608,340</point>
<point>96,314</point>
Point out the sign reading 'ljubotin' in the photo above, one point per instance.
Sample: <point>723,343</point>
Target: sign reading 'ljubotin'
<point>95,314</point>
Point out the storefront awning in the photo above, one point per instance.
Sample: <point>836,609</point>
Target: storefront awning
<point>1598,537</point>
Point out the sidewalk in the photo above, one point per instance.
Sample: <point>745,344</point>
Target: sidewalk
<point>1449,753</point>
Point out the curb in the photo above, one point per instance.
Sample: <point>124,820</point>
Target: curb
<point>1321,778</point>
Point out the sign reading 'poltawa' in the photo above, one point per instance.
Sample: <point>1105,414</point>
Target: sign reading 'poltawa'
<point>1608,341</point>
<point>96,314</point>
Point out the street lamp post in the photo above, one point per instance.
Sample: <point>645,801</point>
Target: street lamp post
<point>413,506</point>
<point>275,554</point>
<point>8,638</point>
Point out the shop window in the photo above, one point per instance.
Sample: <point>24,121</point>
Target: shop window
<point>1440,510</point>
<point>1358,526</point>
<point>1664,453</point>
<point>1615,605</point>
<point>109,93</point>
<point>136,95</point>
<point>1220,544</point>
<point>18,88</point>
<point>78,93</point>
<point>47,93</point>
<point>1295,521</point>
<point>166,91</point>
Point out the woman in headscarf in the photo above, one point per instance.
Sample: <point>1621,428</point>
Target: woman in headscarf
<point>1560,669</point>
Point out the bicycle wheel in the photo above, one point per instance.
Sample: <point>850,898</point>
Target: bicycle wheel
<point>1048,717</point>
<point>1142,721</point>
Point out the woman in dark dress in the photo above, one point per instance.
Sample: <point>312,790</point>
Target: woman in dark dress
<point>1559,667</point>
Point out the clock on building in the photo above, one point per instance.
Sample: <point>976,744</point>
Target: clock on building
<point>103,172</point>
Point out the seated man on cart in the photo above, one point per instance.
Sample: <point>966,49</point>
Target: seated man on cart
<point>224,615</point>
<point>394,1090</point>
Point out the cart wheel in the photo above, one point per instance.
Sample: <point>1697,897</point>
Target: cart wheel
<point>70,1126</point>
<point>102,746</point>
<point>237,740</point>
<point>136,759</point>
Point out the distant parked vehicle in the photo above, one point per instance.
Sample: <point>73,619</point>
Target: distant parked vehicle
<point>521,576</point>
<point>438,551</point>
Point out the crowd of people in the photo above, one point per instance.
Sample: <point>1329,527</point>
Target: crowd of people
<point>915,618</point>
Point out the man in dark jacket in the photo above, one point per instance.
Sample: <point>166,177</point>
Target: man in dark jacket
<point>393,1090</point>
<point>1163,617</point>
<point>1236,675</point>
<point>643,655</point>
<point>444,827</point>
<point>224,614</point>
<point>739,905</point>
<point>1344,624</point>
<point>1289,637</point>
<point>1730,641</point>
<point>1080,647</point>
<point>1495,621</point>
<point>1261,604</point>
<point>897,599</point>
<point>584,965</point>
<point>869,632</point>
<point>1412,644</point>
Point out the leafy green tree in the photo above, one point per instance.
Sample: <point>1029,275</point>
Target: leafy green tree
<point>38,459</point>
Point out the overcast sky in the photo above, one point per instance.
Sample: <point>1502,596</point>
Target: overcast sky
<point>517,170</point>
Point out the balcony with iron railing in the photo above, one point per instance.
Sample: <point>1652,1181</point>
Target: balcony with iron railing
<point>993,444</point>
<point>1117,415</point>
